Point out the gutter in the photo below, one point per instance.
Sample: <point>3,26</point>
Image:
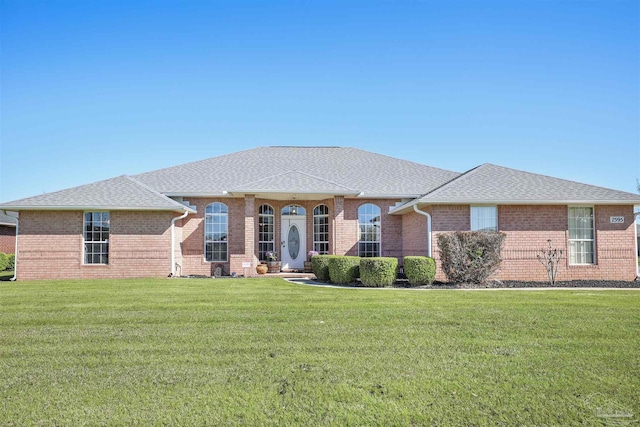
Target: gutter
<point>15,263</point>
<point>428,215</point>
<point>173,243</point>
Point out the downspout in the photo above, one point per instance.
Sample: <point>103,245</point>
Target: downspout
<point>635,227</point>
<point>15,262</point>
<point>173,243</point>
<point>428,215</point>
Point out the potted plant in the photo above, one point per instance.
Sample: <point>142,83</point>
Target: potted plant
<point>272,262</point>
<point>307,264</point>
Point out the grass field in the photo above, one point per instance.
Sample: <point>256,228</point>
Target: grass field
<point>266,352</point>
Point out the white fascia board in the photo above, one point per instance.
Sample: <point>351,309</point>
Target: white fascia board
<point>386,196</point>
<point>7,224</point>
<point>98,208</point>
<point>406,207</point>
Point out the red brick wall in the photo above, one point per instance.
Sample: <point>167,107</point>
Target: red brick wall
<point>347,234</point>
<point>528,228</point>
<point>7,239</point>
<point>51,245</point>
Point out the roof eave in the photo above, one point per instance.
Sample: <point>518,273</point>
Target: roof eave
<point>409,206</point>
<point>99,208</point>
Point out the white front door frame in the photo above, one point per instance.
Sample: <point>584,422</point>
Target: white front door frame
<point>293,232</point>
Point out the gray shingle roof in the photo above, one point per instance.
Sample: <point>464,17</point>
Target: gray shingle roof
<point>499,185</point>
<point>355,170</point>
<point>7,220</point>
<point>295,182</point>
<point>118,193</point>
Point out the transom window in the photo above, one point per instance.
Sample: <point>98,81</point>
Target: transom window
<point>484,218</point>
<point>293,210</point>
<point>369,225</point>
<point>216,226</point>
<point>321,229</point>
<point>266,231</point>
<point>581,235</point>
<point>96,237</point>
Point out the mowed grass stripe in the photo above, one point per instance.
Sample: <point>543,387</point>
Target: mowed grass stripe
<point>267,352</point>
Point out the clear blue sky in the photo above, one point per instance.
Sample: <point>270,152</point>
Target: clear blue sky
<point>96,89</point>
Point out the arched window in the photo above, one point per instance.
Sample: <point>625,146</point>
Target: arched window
<point>321,229</point>
<point>293,210</point>
<point>216,227</point>
<point>369,224</point>
<point>266,231</point>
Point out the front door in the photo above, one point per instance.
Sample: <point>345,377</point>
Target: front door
<point>294,242</point>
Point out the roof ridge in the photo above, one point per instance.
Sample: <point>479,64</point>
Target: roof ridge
<point>146,187</point>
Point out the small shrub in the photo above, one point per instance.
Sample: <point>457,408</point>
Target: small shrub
<point>378,272</point>
<point>343,269</point>
<point>320,267</point>
<point>470,256</point>
<point>4,261</point>
<point>11,265</point>
<point>420,270</point>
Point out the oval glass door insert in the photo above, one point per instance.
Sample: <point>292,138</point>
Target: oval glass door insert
<point>294,242</point>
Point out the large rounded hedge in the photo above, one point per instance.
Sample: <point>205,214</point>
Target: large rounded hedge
<point>320,267</point>
<point>378,272</point>
<point>343,269</point>
<point>420,270</point>
<point>4,261</point>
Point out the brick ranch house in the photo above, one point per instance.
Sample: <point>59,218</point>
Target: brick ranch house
<point>8,232</point>
<point>229,211</point>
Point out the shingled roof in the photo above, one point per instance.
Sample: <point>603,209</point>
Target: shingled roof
<point>121,193</point>
<point>7,220</point>
<point>494,184</point>
<point>331,170</point>
<point>318,172</point>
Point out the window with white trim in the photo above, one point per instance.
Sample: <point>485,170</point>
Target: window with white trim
<point>581,235</point>
<point>266,231</point>
<point>484,218</point>
<point>369,230</point>
<point>96,237</point>
<point>216,227</point>
<point>321,229</point>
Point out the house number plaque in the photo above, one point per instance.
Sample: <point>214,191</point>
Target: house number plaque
<point>616,219</point>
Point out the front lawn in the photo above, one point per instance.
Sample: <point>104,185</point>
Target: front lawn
<point>267,352</point>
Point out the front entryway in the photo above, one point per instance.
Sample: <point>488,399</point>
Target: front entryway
<point>294,240</point>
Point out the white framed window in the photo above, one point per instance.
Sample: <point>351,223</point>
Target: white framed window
<point>266,231</point>
<point>369,225</point>
<point>96,230</point>
<point>582,242</point>
<point>216,228</point>
<point>484,218</point>
<point>321,229</point>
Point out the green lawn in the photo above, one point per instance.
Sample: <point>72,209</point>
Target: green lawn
<point>266,352</point>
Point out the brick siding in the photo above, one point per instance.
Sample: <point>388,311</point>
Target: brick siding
<point>51,245</point>
<point>527,230</point>
<point>7,239</point>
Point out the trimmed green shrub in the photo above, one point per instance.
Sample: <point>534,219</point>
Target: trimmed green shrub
<point>4,261</point>
<point>470,256</point>
<point>420,270</point>
<point>343,269</point>
<point>320,267</point>
<point>378,272</point>
<point>12,262</point>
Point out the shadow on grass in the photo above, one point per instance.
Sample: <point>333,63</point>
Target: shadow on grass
<point>6,275</point>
